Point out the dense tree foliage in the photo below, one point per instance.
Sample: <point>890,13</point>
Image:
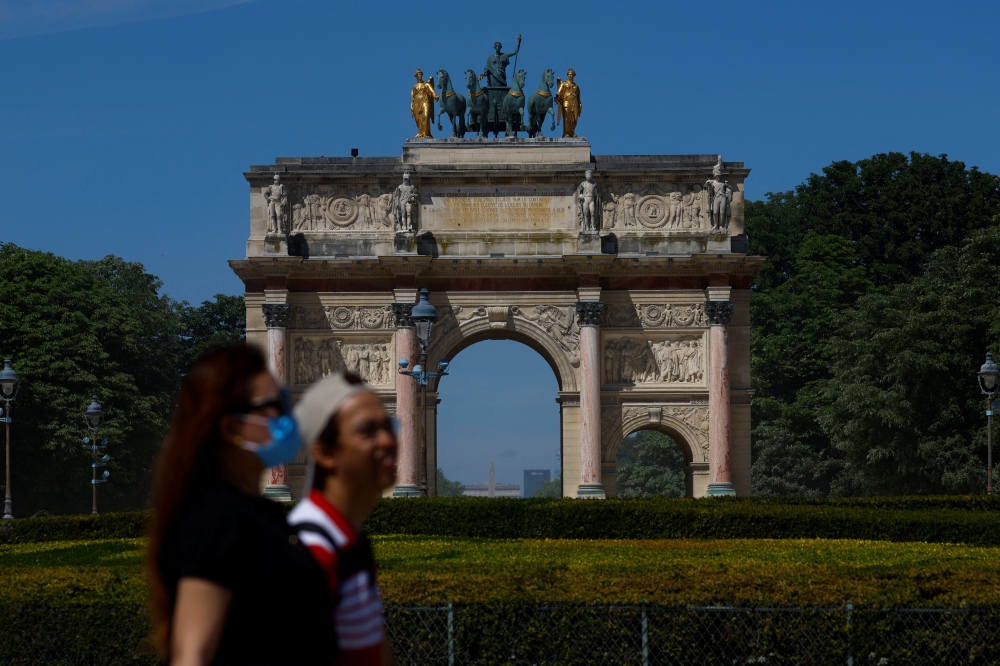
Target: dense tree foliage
<point>650,463</point>
<point>77,328</point>
<point>869,320</point>
<point>446,487</point>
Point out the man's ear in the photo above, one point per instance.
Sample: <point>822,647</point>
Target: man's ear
<point>323,458</point>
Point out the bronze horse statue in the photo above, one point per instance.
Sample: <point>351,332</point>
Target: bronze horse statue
<point>540,103</point>
<point>479,104</point>
<point>451,103</point>
<point>513,104</point>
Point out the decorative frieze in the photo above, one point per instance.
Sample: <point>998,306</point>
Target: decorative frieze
<point>317,357</point>
<point>333,208</point>
<point>276,314</point>
<point>345,317</point>
<point>654,315</point>
<point>637,361</point>
<point>402,311</point>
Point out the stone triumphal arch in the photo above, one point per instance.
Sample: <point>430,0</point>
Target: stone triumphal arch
<point>627,273</point>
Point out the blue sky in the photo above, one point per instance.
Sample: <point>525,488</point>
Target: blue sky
<point>125,125</point>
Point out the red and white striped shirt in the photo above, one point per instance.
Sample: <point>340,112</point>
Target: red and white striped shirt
<point>346,557</point>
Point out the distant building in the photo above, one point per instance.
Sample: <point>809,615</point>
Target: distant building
<point>492,489</point>
<point>533,478</point>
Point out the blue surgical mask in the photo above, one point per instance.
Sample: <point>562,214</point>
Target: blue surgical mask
<point>285,438</point>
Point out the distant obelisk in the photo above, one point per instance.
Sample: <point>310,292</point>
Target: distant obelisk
<point>491,487</point>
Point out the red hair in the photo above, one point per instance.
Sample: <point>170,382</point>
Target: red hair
<point>217,382</point>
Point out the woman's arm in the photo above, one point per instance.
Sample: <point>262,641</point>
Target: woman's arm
<point>199,616</point>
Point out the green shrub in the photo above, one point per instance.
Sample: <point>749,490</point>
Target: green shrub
<point>971,520</point>
<point>961,519</point>
<point>124,525</point>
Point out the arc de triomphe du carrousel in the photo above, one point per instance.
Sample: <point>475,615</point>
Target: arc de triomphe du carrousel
<point>629,274</point>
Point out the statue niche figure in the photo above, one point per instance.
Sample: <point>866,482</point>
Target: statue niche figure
<point>720,195</point>
<point>588,204</point>
<point>422,104</point>
<point>404,204</point>
<point>568,104</point>
<point>276,196</point>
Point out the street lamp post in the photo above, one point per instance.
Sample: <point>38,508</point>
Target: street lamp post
<point>989,384</point>
<point>9,385</point>
<point>94,418</point>
<point>423,315</point>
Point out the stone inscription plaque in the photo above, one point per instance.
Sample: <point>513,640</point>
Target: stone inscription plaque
<point>498,212</point>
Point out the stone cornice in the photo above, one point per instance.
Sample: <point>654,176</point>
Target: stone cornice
<point>569,266</point>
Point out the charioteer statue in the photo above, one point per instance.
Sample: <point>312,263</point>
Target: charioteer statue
<point>497,87</point>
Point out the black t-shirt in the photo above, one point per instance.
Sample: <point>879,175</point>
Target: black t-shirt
<point>281,611</point>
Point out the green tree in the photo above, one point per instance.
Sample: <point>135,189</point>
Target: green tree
<point>222,320</point>
<point>859,228</point>
<point>74,329</point>
<point>650,463</point>
<point>904,408</point>
<point>551,488</point>
<point>77,328</point>
<point>446,487</point>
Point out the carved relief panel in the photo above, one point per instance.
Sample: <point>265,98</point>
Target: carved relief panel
<point>315,357</point>
<point>558,322</point>
<point>690,422</point>
<point>674,206</point>
<point>651,359</point>
<point>666,315</point>
<point>332,208</point>
<point>343,317</point>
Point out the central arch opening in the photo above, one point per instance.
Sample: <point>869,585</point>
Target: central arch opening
<point>497,406</point>
<point>650,464</point>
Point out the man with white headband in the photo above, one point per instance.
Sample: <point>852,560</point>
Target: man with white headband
<point>352,459</point>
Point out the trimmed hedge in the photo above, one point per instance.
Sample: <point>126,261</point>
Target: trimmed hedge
<point>908,519</point>
<point>961,519</point>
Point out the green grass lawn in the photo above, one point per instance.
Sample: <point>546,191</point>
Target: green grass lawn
<point>672,572</point>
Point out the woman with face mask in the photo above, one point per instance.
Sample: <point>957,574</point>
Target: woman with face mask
<point>231,584</point>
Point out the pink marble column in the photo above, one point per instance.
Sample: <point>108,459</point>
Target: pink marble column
<point>407,416</point>
<point>720,480</point>
<point>276,319</point>
<point>589,317</point>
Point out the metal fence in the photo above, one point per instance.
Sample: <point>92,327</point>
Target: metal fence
<point>645,635</point>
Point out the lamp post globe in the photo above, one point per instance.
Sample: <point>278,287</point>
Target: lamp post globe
<point>424,315</point>
<point>989,375</point>
<point>8,381</point>
<point>94,414</point>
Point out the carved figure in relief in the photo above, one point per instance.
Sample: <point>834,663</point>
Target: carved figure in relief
<point>365,213</point>
<point>720,195</point>
<point>568,104</point>
<point>478,103</point>
<point>422,104</point>
<point>627,205</point>
<point>298,217</point>
<point>382,206</point>
<point>314,212</point>
<point>608,214</point>
<point>674,209</point>
<point>276,197</point>
<point>404,202</point>
<point>588,206</point>
<point>451,103</point>
<point>326,357</point>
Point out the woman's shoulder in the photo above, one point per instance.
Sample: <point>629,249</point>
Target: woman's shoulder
<point>225,507</point>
